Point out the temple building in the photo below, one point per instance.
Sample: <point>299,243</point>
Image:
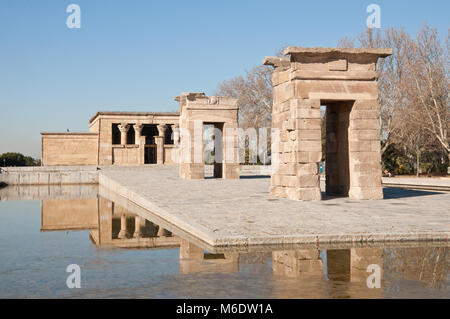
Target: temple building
<point>115,138</point>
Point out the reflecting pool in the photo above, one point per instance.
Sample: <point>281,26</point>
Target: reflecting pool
<point>124,251</point>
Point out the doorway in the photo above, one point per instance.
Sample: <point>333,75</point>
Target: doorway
<point>213,147</point>
<point>150,131</point>
<point>337,165</point>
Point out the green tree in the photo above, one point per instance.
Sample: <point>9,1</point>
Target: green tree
<point>17,159</point>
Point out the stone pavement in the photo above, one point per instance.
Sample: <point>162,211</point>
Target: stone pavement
<point>242,212</point>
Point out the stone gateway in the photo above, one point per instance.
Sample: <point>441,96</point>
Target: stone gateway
<point>345,81</point>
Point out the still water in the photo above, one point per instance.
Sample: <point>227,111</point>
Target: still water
<point>123,254</point>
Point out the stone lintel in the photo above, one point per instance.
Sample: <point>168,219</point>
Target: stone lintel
<point>332,52</point>
<point>200,101</point>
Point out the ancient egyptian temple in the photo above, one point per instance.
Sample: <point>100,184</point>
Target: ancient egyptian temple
<point>335,85</point>
<point>115,138</point>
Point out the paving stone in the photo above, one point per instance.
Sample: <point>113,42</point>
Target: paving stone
<point>242,212</point>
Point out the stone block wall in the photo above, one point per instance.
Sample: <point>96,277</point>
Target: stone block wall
<point>64,149</point>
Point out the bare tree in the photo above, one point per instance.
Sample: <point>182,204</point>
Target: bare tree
<point>346,42</point>
<point>392,83</point>
<point>411,135</point>
<point>254,94</point>
<point>391,72</point>
<point>413,88</point>
<point>429,89</point>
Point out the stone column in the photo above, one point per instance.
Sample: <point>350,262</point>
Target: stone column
<point>161,130</point>
<point>137,133</point>
<point>365,149</point>
<point>162,232</point>
<point>123,133</point>
<point>123,227</point>
<point>137,227</point>
<point>231,167</point>
<point>138,141</point>
<point>176,134</point>
<point>159,140</point>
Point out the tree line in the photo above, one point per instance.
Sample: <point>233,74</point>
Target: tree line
<point>17,159</point>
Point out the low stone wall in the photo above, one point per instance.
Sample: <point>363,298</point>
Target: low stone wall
<point>126,154</point>
<point>67,175</point>
<point>47,175</point>
<point>168,157</point>
<point>437,184</point>
<point>70,175</point>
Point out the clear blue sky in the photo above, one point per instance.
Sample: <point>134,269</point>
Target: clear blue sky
<point>137,55</point>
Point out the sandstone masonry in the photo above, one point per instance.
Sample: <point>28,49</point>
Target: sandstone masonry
<point>197,110</point>
<point>345,80</point>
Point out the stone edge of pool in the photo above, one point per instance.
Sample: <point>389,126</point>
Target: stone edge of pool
<point>215,241</point>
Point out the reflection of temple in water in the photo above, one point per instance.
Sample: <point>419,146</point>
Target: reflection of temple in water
<point>110,225</point>
<point>295,273</point>
<point>120,228</point>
